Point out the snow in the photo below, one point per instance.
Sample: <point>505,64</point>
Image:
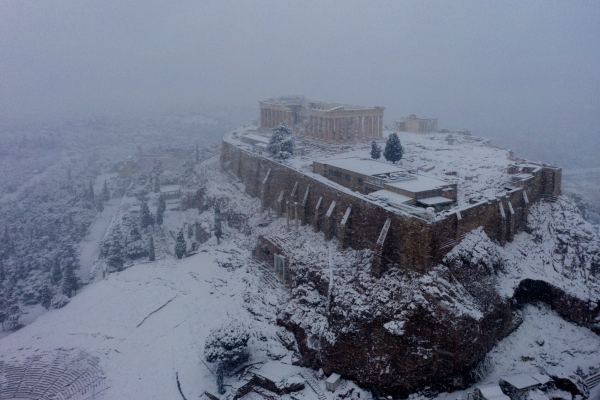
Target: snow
<point>521,381</point>
<point>363,166</point>
<point>420,184</point>
<point>492,392</point>
<point>432,201</point>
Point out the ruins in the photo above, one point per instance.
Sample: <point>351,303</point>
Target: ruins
<point>416,125</point>
<point>328,122</point>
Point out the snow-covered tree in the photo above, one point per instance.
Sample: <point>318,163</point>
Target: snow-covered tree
<point>180,245</point>
<point>159,218</point>
<point>144,216</point>
<point>228,344</point>
<point>56,273</point>
<point>393,149</point>
<point>156,185</point>
<point>375,150</point>
<point>282,143</point>
<point>218,231</point>
<point>46,297</point>
<point>190,231</point>
<point>70,283</point>
<point>162,204</point>
<point>151,254</point>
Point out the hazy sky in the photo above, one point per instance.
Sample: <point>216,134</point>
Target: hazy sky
<point>492,67</point>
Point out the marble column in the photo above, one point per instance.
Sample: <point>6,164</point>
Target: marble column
<point>352,138</point>
<point>380,126</point>
<point>360,131</point>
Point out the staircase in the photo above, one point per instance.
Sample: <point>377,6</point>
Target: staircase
<point>592,380</point>
<point>314,385</point>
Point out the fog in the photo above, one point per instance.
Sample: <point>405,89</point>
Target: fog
<point>520,72</point>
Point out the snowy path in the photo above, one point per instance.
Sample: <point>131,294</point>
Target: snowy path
<point>89,248</point>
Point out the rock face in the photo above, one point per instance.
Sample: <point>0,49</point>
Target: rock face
<point>398,332</point>
<point>408,329</point>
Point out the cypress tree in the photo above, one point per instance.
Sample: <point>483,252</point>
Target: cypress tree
<point>56,273</point>
<point>105,192</point>
<point>159,218</point>
<point>218,231</point>
<point>197,154</point>
<point>91,191</point>
<point>162,204</point>
<point>144,216</point>
<point>70,283</point>
<point>375,151</point>
<point>156,185</point>
<point>393,149</point>
<point>180,245</point>
<point>46,297</point>
<point>151,255</point>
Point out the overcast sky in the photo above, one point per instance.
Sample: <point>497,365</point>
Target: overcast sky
<point>492,67</point>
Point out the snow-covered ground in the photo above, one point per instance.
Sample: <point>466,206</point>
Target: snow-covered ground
<point>146,326</point>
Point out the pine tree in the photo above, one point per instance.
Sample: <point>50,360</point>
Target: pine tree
<point>375,150</point>
<point>190,231</point>
<point>46,297</point>
<point>393,149</point>
<point>282,143</point>
<point>156,185</point>
<point>159,218</point>
<point>151,255</point>
<point>180,245</point>
<point>144,216</point>
<point>100,207</point>
<point>56,273</point>
<point>70,282</point>
<point>218,231</point>
<point>105,192</point>
<point>220,386</point>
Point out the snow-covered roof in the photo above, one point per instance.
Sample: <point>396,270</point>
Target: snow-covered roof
<point>258,138</point>
<point>276,371</point>
<point>492,392</point>
<point>421,184</point>
<point>432,201</point>
<point>333,378</point>
<point>521,381</point>
<point>363,166</point>
<point>391,197</point>
<point>541,378</point>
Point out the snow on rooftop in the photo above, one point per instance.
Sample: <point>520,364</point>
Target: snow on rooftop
<point>391,197</point>
<point>421,184</point>
<point>492,392</point>
<point>521,381</point>
<point>432,201</point>
<point>362,165</point>
<point>276,371</point>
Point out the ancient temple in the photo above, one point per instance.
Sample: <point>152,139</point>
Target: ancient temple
<point>329,122</point>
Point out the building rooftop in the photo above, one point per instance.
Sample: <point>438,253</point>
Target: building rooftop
<point>363,166</point>
<point>492,392</point>
<point>521,381</point>
<point>422,183</point>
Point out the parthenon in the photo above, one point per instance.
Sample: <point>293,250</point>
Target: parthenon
<point>329,122</point>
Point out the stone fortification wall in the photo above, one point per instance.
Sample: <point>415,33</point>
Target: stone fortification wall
<point>355,222</point>
<point>409,241</point>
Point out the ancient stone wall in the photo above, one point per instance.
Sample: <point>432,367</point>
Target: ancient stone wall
<point>410,242</point>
